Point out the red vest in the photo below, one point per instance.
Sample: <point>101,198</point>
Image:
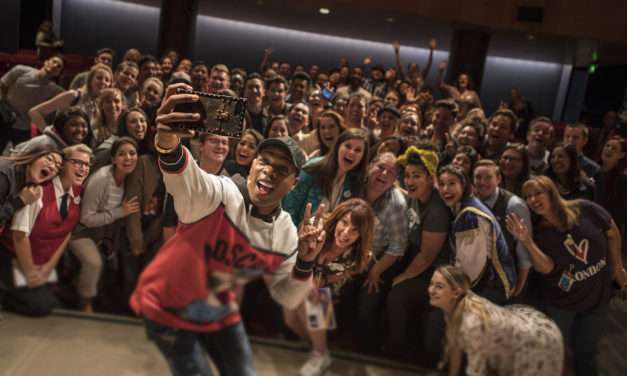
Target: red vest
<point>49,229</point>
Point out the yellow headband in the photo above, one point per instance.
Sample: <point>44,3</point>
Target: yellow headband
<point>428,158</point>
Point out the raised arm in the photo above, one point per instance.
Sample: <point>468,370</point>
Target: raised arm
<point>57,103</point>
<point>432,45</point>
<point>397,56</point>
<point>264,60</point>
<point>195,193</point>
<point>519,230</point>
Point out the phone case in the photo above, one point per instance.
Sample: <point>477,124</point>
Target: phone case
<point>219,114</point>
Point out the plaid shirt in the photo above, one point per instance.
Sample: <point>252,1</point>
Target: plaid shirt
<point>390,232</point>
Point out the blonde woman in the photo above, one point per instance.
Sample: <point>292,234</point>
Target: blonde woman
<point>99,78</point>
<point>111,103</point>
<point>514,340</point>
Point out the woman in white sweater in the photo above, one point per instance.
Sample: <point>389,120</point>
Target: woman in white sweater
<point>102,206</point>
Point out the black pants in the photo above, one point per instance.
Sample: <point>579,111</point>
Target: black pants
<point>37,301</point>
<point>370,307</point>
<point>406,307</point>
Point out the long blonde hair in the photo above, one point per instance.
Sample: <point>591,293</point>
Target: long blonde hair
<point>104,128</point>
<point>468,302</point>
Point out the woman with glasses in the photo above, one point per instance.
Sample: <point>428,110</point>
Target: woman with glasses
<point>514,166</point>
<point>102,206</point>
<point>34,242</point>
<point>575,248</point>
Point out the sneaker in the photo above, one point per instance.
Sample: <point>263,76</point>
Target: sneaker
<point>316,365</point>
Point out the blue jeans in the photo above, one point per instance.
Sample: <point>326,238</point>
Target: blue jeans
<point>582,332</point>
<point>183,350</point>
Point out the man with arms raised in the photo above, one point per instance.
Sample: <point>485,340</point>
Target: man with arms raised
<point>228,234</point>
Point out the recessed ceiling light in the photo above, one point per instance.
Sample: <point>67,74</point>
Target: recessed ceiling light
<point>324,11</point>
<point>390,19</point>
<point>531,37</point>
<point>259,2</point>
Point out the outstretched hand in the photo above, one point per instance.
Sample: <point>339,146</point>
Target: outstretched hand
<point>311,234</point>
<point>442,65</point>
<point>517,227</point>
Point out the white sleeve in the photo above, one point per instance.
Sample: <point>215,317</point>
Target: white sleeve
<point>195,193</point>
<point>24,219</point>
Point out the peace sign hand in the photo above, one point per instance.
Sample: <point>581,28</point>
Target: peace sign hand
<point>311,234</point>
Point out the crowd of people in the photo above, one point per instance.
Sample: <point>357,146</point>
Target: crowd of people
<point>428,219</point>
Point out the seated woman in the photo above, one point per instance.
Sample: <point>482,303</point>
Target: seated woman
<point>71,127</point>
<point>330,126</point>
<point>479,245</point>
<point>576,250</point>
<point>244,153</point>
<point>465,158</point>
<point>277,127</point>
<point>331,179</point>
<point>514,166</point>
<point>345,253</point>
<point>564,168</point>
<point>98,79</point>
<point>39,234</point>
<point>132,123</point>
<point>506,341</point>
<point>102,206</point>
<point>429,221</point>
<point>110,104</point>
<point>20,178</point>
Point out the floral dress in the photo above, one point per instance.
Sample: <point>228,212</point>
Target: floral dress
<point>515,340</point>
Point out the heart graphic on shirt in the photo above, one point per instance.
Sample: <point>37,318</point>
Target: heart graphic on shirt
<point>580,251</point>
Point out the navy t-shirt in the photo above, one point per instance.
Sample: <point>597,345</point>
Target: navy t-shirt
<point>581,279</point>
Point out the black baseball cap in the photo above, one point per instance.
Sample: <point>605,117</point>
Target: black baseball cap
<point>289,145</point>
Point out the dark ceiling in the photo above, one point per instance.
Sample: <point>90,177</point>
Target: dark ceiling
<point>348,19</point>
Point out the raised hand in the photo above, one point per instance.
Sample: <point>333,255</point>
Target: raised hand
<point>442,65</point>
<point>397,46</point>
<point>367,60</point>
<point>311,234</point>
<point>517,227</point>
<point>267,51</point>
<point>168,137</point>
<point>433,44</point>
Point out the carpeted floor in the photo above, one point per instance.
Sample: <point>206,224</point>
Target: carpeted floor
<point>66,344</point>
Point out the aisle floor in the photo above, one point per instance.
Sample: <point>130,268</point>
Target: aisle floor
<point>62,345</point>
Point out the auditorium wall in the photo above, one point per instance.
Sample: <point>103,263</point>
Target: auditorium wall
<point>91,24</point>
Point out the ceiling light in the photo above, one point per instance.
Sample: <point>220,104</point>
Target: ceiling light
<point>324,11</point>
<point>390,19</point>
<point>531,37</point>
